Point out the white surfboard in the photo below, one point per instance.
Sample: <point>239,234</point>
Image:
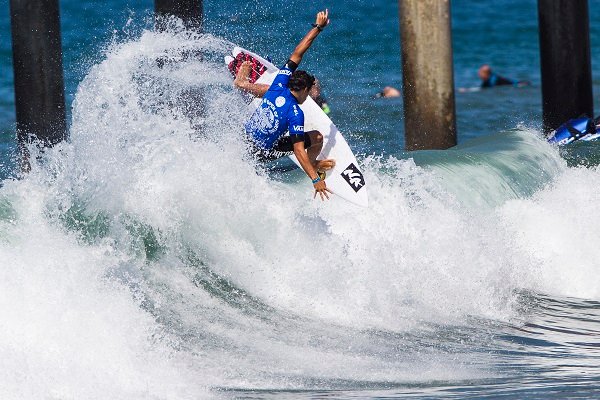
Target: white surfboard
<point>345,179</point>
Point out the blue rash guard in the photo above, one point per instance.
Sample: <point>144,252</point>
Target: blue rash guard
<point>277,114</point>
<point>497,80</point>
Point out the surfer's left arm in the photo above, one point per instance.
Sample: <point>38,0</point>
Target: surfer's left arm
<point>318,183</point>
<point>242,82</point>
<point>321,22</point>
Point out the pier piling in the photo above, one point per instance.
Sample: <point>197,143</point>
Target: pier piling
<point>427,74</point>
<point>565,61</point>
<point>189,11</point>
<point>38,71</point>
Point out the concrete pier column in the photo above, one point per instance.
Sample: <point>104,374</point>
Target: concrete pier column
<point>427,74</point>
<point>565,61</point>
<point>38,70</point>
<point>189,11</point>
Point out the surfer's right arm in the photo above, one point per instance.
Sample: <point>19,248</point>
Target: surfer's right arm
<point>321,22</point>
<point>242,82</point>
<point>318,183</point>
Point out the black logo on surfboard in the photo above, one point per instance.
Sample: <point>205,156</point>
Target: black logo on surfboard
<point>354,177</point>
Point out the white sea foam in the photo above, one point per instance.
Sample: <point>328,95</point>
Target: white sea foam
<point>68,331</point>
<point>557,234</point>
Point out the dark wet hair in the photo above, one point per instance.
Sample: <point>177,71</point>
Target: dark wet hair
<point>301,80</point>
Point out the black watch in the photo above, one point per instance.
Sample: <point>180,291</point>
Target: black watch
<point>319,27</point>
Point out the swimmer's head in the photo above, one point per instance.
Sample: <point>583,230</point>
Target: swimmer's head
<point>389,91</point>
<point>485,71</point>
<point>315,90</point>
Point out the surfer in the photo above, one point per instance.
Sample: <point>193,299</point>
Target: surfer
<point>279,112</point>
<point>389,91</point>
<point>317,96</point>
<point>490,78</point>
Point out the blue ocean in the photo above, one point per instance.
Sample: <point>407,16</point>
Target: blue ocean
<point>146,258</point>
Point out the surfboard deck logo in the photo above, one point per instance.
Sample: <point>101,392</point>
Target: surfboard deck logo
<point>354,177</point>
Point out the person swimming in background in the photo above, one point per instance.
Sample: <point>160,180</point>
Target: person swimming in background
<point>317,95</point>
<point>490,79</point>
<point>388,91</point>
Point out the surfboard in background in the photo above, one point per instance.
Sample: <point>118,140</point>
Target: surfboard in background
<point>345,180</point>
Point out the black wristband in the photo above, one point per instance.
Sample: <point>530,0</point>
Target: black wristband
<point>291,65</point>
<point>319,27</point>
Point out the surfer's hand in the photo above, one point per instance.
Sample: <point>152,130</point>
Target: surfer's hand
<point>323,18</point>
<point>321,189</point>
<point>244,72</point>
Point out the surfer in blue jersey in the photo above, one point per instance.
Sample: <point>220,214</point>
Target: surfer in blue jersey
<point>279,113</point>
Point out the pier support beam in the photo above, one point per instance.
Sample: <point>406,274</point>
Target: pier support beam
<point>427,74</point>
<point>38,70</point>
<point>565,61</point>
<point>189,11</point>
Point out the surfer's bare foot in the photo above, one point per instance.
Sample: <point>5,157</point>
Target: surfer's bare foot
<point>324,165</point>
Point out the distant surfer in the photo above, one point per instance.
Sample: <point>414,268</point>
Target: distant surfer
<point>317,96</point>
<point>491,79</point>
<point>279,112</point>
<point>388,92</point>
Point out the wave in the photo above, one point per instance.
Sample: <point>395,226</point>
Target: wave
<point>148,257</point>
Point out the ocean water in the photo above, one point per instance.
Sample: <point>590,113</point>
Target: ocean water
<point>145,259</point>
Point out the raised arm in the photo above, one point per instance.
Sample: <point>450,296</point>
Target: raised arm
<point>321,22</point>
